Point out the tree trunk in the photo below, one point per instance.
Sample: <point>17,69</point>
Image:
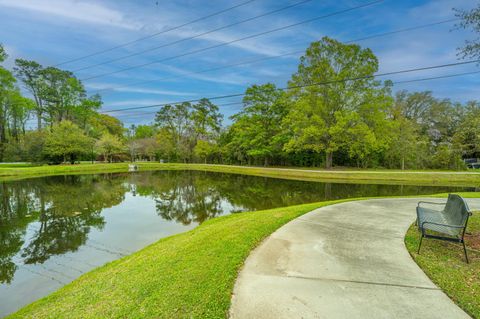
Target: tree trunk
<point>329,159</point>
<point>403,162</point>
<point>39,120</point>
<point>265,163</point>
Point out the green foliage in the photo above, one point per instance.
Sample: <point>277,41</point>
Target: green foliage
<point>3,54</point>
<point>165,144</point>
<point>109,145</point>
<point>447,157</point>
<point>100,124</point>
<point>28,147</point>
<point>203,150</point>
<point>326,118</point>
<point>66,141</point>
<point>470,19</point>
<point>467,136</point>
<point>186,124</point>
<point>257,126</point>
<point>144,131</point>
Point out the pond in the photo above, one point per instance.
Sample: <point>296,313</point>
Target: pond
<point>53,229</point>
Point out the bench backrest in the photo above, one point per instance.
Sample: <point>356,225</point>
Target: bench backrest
<point>456,210</point>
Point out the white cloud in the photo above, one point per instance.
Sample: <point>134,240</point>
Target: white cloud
<point>81,11</point>
<point>439,9</point>
<point>132,103</point>
<point>229,78</point>
<point>255,45</point>
<point>119,88</point>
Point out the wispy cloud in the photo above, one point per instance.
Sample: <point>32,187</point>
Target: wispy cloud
<point>81,11</point>
<point>132,102</point>
<point>118,88</point>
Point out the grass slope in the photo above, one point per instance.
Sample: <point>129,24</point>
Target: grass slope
<point>190,275</point>
<point>440,178</point>
<point>444,263</point>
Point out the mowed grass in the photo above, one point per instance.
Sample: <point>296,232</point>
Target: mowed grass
<point>445,264</point>
<point>426,178</point>
<point>190,275</point>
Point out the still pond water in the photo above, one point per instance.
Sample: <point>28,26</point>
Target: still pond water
<point>53,229</point>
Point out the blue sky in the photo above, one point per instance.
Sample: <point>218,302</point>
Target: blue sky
<point>54,31</point>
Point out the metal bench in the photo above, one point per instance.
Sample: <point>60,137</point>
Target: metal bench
<point>450,221</point>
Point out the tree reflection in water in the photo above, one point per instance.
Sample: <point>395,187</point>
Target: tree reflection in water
<point>65,207</point>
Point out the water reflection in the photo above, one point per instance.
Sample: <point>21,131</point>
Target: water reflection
<point>64,207</point>
<point>46,220</point>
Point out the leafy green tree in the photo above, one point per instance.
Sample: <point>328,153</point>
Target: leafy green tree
<point>19,110</point>
<point>66,141</point>
<point>470,19</point>
<point>166,148</point>
<point>322,93</point>
<point>63,94</point>
<point>14,108</point>
<point>204,149</point>
<point>147,147</point>
<point>86,109</point>
<point>447,157</point>
<point>144,131</point>
<point>109,145</point>
<point>187,123</point>
<point>103,123</point>
<point>206,119</point>
<point>3,54</point>
<point>467,136</point>
<point>407,145</point>
<point>7,86</point>
<point>258,124</point>
<point>176,120</point>
<point>30,73</point>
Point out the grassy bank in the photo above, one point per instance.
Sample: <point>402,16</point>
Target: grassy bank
<point>444,263</point>
<point>190,275</point>
<point>440,178</point>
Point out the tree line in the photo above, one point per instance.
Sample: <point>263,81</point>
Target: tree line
<point>323,118</point>
<point>68,124</point>
<point>333,112</point>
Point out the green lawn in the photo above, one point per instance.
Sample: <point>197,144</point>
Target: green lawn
<point>190,275</point>
<point>440,178</point>
<point>444,263</point>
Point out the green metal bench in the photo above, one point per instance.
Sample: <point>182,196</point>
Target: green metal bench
<point>447,224</point>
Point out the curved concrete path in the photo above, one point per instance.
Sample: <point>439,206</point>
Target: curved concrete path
<point>342,261</point>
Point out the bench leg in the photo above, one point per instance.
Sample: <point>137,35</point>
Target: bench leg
<point>420,244</point>
<point>465,251</point>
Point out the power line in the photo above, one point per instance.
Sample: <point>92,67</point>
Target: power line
<point>436,77</point>
<point>155,112</point>
<point>310,85</point>
<point>193,37</point>
<point>135,115</point>
<point>156,34</point>
<point>236,40</point>
<point>252,61</point>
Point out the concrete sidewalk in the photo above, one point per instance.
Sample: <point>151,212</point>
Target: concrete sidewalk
<point>341,261</point>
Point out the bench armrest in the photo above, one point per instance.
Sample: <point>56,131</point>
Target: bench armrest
<point>431,203</point>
